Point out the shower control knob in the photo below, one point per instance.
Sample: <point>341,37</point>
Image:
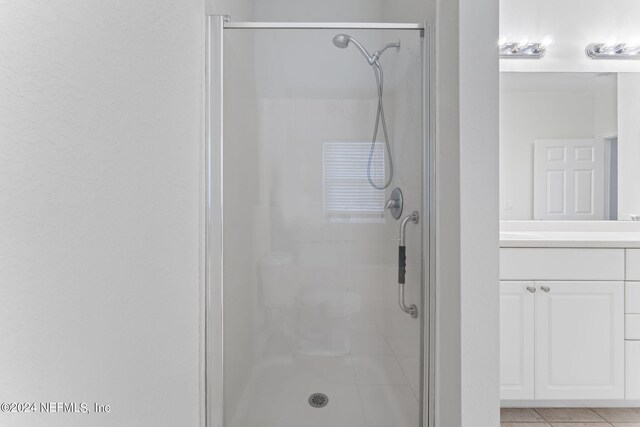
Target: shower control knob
<point>395,203</point>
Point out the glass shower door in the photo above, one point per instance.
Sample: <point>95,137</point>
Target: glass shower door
<point>313,331</point>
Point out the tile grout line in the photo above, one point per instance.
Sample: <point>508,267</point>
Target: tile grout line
<point>541,416</point>
<point>355,376</point>
<point>404,374</point>
<point>603,418</point>
<point>547,422</point>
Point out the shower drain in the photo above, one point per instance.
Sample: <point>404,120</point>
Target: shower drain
<point>318,400</point>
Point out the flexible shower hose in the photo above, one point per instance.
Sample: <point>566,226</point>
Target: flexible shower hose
<point>377,69</point>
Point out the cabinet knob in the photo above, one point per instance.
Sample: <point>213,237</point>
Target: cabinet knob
<point>545,288</point>
<point>531,289</point>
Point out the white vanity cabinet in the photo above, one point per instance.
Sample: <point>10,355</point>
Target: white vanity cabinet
<point>517,304</point>
<point>562,333</point>
<point>562,340</point>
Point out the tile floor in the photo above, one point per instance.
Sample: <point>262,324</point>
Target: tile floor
<point>570,417</point>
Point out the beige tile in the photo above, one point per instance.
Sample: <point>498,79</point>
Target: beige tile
<point>569,415</point>
<point>626,424</point>
<point>580,425</point>
<point>619,415</point>
<point>524,425</point>
<point>519,415</point>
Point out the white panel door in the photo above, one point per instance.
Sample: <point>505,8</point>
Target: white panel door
<point>516,340</point>
<point>579,330</point>
<point>568,179</point>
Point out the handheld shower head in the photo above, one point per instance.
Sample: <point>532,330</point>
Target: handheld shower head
<point>343,40</point>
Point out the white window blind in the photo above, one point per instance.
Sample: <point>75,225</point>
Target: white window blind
<point>348,196</point>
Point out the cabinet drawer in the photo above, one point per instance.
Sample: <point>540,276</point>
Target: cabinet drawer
<point>632,326</point>
<point>632,297</point>
<point>633,264</point>
<point>561,264</point>
<point>632,370</point>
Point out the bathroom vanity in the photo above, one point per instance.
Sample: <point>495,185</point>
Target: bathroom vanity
<point>570,317</point>
<point>570,256</point>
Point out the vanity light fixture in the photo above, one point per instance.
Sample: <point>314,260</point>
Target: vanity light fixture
<point>612,51</point>
<point>525,50</point>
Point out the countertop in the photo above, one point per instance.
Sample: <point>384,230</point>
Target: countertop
<point>570,239</point>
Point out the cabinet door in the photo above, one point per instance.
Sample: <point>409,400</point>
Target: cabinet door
<point>579,344</point>
<point>516,340</point>
<point>632,372</point>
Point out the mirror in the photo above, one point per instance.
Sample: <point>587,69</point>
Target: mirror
<point>562,145</point>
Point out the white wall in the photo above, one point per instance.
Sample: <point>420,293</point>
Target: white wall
<point>238,10</point>
<point>101,112</point>
<point>448,390</point>
<point>478,25</point>
<point>318,11</point>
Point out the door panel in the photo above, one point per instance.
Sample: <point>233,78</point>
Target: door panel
<point>516,340</point>
<point>579,329</point>
<point>569,179</point>
<point>310,264</point>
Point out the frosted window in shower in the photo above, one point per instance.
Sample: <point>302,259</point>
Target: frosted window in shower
<point>348,195</point>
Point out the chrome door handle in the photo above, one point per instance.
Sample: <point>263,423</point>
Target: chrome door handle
<point>531,289</point>
<point>412,309</point>
<point>545,288</point>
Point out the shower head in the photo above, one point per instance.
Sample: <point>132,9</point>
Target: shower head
<point>343,40</point>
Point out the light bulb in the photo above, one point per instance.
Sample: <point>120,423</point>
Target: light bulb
<point>547,41</point>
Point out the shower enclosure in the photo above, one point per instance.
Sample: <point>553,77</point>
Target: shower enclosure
<point>312,318</point>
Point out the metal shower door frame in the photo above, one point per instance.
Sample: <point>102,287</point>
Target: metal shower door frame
<point>212,354</point>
